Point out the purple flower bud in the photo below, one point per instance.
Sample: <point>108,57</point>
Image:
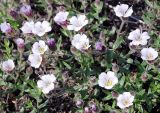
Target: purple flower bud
<point>14,14</point>
<point>94,107</point>
<point>20,43</point>
<point>87,110</point>
<point>79,103</point>
<point>99,46</point>
<point>51,43</point>
<point>26,10</point>
<point>114,94</point>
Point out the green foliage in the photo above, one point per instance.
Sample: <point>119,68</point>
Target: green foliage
<point>77,72</point>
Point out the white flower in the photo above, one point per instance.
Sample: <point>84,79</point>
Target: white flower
<point>149,54</point>
<point>27,27</point>
<point>46,83</point>
<point>39,47</point>
<point>123,10</point>
<point>138,37</point>
<point>5,27</point>
<point>125,100</point>
<point>107,80</point>
<point>35,60</point>
<point>61,17</point>
<point>80,42</point>
<point>76,23</point>
<point>8,65</point>
<point>40,28</point>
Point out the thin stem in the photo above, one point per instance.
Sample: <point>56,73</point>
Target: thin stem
<point>121,26</point>
<point>140,21</point>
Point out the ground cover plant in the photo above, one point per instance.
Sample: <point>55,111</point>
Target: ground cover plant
<point>79,56</point>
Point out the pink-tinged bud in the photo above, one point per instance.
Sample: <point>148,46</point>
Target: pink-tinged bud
<point>144,77</point>
<point>114,94</point>
<point>6,28</point>
<point>20,43</point>
<point>99,46</point>
<point>93,107</point>
<point>26,10</point>
<point>87,110</point>
<point>79,103</point>
<point>115,67</point>
<point>97,2</point>
<point>51,43</point>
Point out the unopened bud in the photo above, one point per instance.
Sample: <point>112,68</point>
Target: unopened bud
<point>94,107</point>
<point>51,43</point>
<point>97,2</point>
<point>79,103</point>
<point>87,110</point>
<point>6,28</point>
<point>99,46</point>
<point>14,14</point>
<point>115,67</point>
<point>144,77</point>
<point>20,43</point>
<point>114,94</point>
<point>26,10</point>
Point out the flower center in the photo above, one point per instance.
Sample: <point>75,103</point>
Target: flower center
<point>47,84</point>
<point>109,83</point>
<point>85,46</point>
<point>79,24</point>
<point>149,56</point>
<point>126,102</point>
<point>138,38</point>
<point>41,50</point>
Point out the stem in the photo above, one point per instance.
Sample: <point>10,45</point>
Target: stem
<point>140,21</point>
<point>121,26</point>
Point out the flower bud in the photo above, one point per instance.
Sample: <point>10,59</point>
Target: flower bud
<point>114,94</point>
<point>26,10</point>
<point>115,67</point>
<point>99,46</point>
<point>8,65</point>
<point>79,103</point>
<point>51,43</point>
<point>87,110</point>
<point>20,43</point>
<point>14,14</point>
<point>6,28</point>
<point>94,107</point>
<point>97,2</point>
<point>144,77</point>
<point>132,47</point>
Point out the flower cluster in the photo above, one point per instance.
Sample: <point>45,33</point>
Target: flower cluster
<point>38,28</point>
<point>38,49</point>
<point>140,38</point>
<point>104,76</point>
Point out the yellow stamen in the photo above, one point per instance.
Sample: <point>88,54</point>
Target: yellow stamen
<point>108,83</point>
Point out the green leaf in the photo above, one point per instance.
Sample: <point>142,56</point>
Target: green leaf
<point>67,65</point>
<point>121,82</point>
<point>118,42</point>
